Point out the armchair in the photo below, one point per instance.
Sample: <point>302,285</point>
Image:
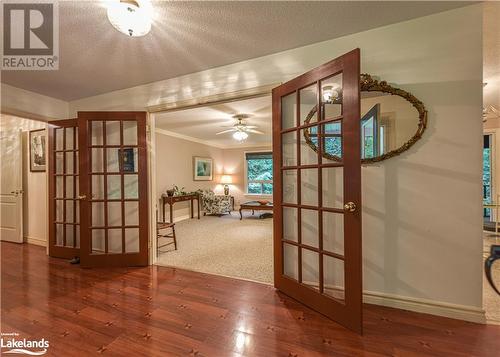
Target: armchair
<point>215,204</point>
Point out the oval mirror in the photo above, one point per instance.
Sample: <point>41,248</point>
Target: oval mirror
<point>392,120</point>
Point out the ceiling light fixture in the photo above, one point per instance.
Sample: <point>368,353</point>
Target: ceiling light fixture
<point>131,17</point>
<point>240,135</point>
<point>330,94</point>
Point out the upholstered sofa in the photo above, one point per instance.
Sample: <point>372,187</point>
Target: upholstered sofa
<point>214,204</point>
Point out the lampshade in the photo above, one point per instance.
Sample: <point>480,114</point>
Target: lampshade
<point>226,179</point>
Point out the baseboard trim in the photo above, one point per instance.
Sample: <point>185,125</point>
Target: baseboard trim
<point>454,311</point>
<point>35,241</point>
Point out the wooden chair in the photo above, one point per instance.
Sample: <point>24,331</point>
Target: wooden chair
<point>165,230</point>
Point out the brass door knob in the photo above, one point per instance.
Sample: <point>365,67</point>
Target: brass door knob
<point>350,207</point>
<point>82,197</point>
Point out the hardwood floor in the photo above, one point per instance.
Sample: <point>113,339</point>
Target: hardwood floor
<point>162,311</point>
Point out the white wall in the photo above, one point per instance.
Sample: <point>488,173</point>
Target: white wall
<point>422,210</point>
<point>35,215</point>
<point>32,105</point>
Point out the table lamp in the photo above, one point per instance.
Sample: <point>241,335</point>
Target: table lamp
<point>226,180</point>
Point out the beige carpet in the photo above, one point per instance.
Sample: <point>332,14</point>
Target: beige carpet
<point>491,300</point>
<point>224,246</point>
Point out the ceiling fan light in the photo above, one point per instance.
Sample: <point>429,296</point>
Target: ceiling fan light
<point>240,135</point>
<point>131,17</point>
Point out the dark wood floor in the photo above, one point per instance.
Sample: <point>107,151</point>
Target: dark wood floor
<point>160,311</point>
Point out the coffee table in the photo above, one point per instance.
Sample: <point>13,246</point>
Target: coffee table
<point>256,206</point>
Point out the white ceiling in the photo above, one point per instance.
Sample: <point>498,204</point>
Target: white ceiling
<point>187,37</point>
<point>201,124</point>
<point>491,53</point>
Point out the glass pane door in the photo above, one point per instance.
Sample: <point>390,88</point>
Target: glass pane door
<point>318,196</point>
<point>115,186</point>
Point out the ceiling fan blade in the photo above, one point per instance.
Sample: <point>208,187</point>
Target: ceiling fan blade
<point>225,131</point>
<point>254,131</point>
<point>251,126</point>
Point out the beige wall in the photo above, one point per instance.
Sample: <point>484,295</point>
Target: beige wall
<point>35,215</point>
<point>174,166</point>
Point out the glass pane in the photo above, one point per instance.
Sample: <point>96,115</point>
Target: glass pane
<point>267,188</point>
<point>288,111</point>
<point>332,141</point>
<point>132,240</point>
<point>308,143</point>
<point>331,96</point>
<point>97,187</point>
<point>333,232</point>
<point>98,214</point>
<point>69,186</point>
<point>77,212</point>
<point>308,101</point>
<point>70,235</point>
<point>77,236</point>
<point>290,224</point>
<point>130,160</point>
<point>131,183</point>
<point>333,277</point>
<point>115,240</point>
<point>114,214</point>
<point>112,133</point>
<point>69,162</point>
<point>290,261</point>
<point>76,138</point>
<point>254,188</point>
<point>59,234</point>
<point>289,148</point>
<point>59,211</point>
<point>131,213</point>
<point>333,187</point>
<point>59,139</point>
<point>113,158</point>
<point>309,187</point>
<point>290,186</point>
<point>69,211</point>
<point>59,162</point>
<point>77,191</point>
<point>114,187</point>
<point>69,139</point>
<point>309,227</point>
<point>310,268</point>
<point>98,238</point>
<point>97,160</point>
<point>96,132</point>
<point>129,132</point>
<point>59,186</point>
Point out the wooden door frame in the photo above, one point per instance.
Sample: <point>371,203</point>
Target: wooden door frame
<point>142,257</point>
<point>349,65</point>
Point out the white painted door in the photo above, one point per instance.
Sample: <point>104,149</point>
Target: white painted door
<point>11,189</point>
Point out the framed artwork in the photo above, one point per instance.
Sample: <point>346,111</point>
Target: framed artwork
<point>203,168</point>
<point>38,155</point>
<point>128,163</point>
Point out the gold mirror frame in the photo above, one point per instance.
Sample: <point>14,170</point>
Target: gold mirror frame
<point>368,84</point>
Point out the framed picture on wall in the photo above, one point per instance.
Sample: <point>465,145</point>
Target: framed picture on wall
<point>203,168</point>
<point>38,158</point>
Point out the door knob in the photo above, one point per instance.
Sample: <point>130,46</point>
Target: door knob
<point>82,197</point>
<point>350,207</point>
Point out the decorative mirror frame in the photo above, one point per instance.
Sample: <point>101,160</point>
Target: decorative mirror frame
<point>368,84</point>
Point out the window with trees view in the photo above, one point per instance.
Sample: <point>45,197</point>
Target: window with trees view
<point>259,173</point>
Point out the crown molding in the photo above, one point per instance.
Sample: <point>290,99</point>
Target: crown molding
<point>206,142</point>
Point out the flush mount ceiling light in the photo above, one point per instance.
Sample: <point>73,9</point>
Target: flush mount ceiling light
<point>131,17</point>
<point>330,94</point>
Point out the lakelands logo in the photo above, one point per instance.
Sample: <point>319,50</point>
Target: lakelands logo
<point>30,35</point>
<point>15,345</point>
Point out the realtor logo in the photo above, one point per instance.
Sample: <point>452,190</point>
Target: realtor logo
<point>30,35</point>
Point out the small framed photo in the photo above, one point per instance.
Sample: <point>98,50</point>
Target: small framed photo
<point>38,158</point>
<point>203,168</point>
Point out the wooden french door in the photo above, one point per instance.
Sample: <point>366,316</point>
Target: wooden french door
<point>98,189</point>
<point>317,200</point>
<point>113,188</point>
<point>64,210</point>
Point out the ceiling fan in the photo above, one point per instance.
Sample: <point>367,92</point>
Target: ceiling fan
<point>240,130</point>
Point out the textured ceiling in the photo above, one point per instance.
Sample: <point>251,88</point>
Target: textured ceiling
<point>203,123</point>
<point>187,37</point>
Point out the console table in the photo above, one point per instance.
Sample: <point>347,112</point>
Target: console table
<point>171,200</point>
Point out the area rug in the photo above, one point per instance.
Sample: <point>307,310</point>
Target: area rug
<point>224,246</point>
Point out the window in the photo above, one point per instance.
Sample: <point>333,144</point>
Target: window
<point>259,173</point>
